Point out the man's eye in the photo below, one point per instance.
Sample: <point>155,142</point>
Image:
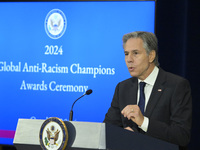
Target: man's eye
<point>125,53</point>
<point>135,53</point>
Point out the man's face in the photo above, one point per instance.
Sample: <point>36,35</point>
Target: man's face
<point>138,62</point>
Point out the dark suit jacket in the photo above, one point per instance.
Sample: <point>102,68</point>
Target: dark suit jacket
<point>169,108</point>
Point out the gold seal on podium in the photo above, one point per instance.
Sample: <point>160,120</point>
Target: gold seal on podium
<point>53,134</point>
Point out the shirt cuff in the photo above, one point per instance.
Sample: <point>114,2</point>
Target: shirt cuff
<point>145,124</point>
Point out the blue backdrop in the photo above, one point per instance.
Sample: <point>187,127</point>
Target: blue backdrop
<point>41,76</point>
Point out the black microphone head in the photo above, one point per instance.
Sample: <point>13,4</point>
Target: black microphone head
<point>88,92</point>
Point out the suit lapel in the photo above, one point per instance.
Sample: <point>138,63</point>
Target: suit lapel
<point>156,93</point>
<point>135,89</point>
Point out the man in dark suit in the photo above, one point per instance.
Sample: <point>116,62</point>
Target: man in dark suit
<point>153,102</point>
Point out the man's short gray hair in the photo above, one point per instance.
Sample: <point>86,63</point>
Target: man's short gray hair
<point>149,39</point>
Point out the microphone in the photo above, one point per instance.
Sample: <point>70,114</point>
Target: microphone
<point>88,92</point>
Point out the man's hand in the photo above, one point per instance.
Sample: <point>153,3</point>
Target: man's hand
<point>133,112</point>
<point>129,128</point>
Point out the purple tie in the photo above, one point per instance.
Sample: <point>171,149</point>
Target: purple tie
<point>141,103</point>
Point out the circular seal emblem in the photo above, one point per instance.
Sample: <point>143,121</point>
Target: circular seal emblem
<point>55,24</point>
<point>53,134</point>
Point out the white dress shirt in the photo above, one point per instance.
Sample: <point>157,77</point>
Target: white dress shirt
<point>150,81</point>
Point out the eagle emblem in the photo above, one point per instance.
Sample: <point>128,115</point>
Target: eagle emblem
<point>53,134</point>
<point>55,23</point>
<point>52,137</point>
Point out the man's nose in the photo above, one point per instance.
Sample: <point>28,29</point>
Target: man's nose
<point>129,58</point>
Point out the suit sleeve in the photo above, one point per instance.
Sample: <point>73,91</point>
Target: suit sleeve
<point>178,130</point>
<point>113,116</point>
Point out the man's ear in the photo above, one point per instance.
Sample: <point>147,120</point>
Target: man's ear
<point>152,56</point>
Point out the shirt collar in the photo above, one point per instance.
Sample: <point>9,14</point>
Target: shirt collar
<point>151,79</point>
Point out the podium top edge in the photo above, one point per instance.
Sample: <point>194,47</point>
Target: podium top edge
<point>21,119</point>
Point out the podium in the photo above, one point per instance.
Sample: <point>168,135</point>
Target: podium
<point>89,136</point>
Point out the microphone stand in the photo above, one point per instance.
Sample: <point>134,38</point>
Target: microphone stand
<point>88,92</point>
<point>71,112</point>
